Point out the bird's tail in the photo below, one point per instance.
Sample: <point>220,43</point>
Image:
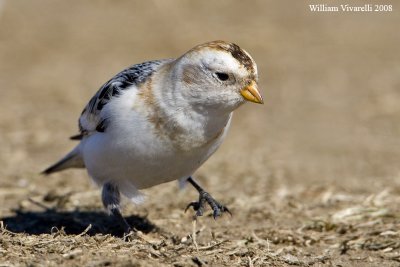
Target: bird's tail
<point>72,160</point>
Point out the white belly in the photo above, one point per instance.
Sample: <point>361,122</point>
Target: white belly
<point>132,155</point>
<point>141,158</point>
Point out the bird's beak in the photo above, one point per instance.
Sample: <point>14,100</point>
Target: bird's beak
<point>251,93</point>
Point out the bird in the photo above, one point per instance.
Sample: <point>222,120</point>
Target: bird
<point>159,121</point>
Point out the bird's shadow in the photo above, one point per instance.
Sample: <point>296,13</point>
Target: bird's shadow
<point>72,223</point>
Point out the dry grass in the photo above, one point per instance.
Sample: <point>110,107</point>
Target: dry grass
<point>312,178</point>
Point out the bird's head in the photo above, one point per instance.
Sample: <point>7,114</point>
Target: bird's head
<point>217,75</point>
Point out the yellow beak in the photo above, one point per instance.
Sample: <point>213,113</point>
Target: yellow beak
<point>251,93</point>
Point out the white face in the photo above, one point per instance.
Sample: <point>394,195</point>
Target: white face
<point>213,78</point>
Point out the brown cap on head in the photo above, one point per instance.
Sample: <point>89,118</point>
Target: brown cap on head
<point>239,54</point>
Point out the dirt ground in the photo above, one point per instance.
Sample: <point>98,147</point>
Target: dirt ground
<point>312,177</point>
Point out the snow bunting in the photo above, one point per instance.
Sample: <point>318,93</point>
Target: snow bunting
<point>160,120</point>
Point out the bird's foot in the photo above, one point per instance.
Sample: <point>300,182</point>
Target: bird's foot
<point>129,234</point>
<point>128,230</point>
<point>206,198</point>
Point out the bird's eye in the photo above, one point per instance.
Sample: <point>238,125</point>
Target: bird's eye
<point>222,76</point>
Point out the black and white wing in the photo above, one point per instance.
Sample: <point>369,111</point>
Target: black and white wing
<point>91,119</point>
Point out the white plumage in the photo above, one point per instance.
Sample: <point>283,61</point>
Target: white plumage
<point>161,120</point>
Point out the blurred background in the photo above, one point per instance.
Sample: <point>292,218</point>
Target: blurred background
<point>331,82</point>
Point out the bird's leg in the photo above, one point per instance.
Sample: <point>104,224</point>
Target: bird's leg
<point>111,201</point>
<point>205,197</point>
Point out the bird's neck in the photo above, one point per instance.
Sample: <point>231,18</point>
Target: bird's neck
<point>186,125</point>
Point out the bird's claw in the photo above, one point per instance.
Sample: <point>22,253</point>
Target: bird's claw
<point>129,235</point>
<point>204,198</point>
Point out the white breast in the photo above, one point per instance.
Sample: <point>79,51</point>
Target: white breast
<point>130,151</point>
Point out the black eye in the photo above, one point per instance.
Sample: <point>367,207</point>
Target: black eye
<point>222,76</point>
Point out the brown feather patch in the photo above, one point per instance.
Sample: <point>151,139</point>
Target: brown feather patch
<point>239,54</point>
<point>163,126</point>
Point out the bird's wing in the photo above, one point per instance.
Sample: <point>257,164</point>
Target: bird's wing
<point>91,118</point>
